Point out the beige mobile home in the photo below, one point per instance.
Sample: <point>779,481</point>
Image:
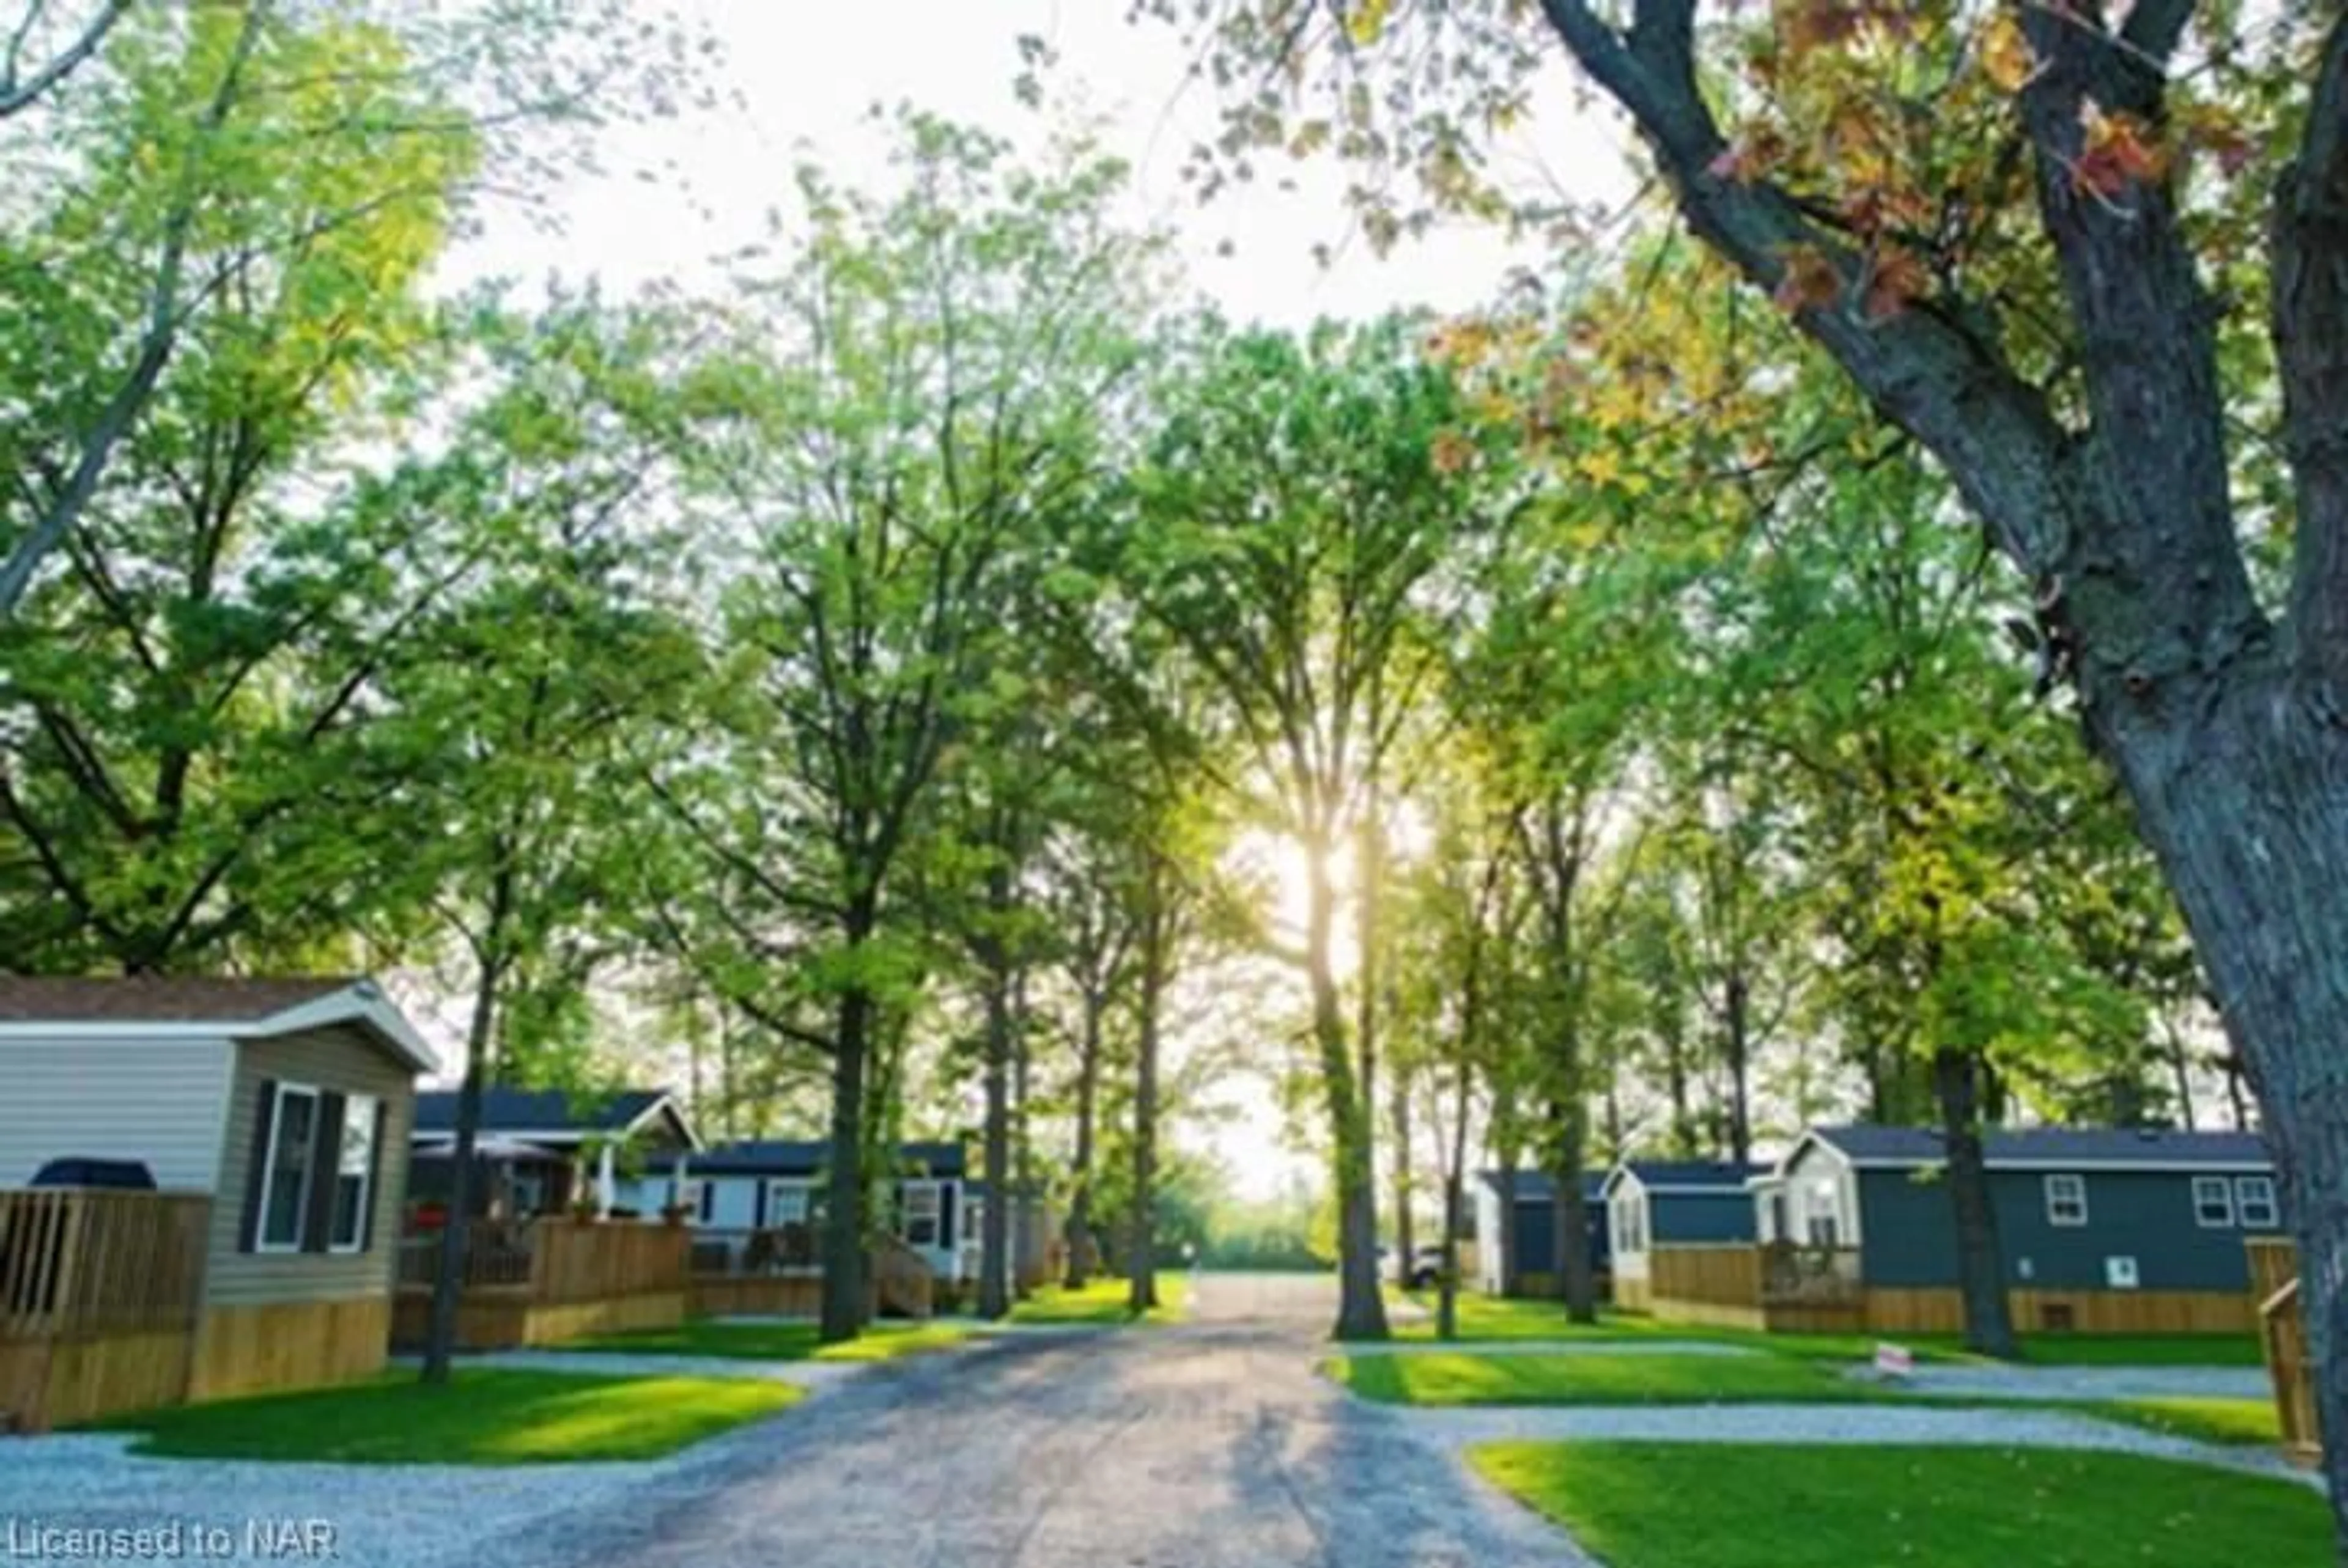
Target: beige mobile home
<point>271,1116</point>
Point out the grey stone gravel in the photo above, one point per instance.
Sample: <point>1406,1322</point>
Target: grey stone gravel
<point>2091,1382</point>
<point>1549,1348</point>
<point>1863,1424</point>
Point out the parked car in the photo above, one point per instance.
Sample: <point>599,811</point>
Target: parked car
<point>1425,1270</point>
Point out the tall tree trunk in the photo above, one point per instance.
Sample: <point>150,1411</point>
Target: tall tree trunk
<point>1080,1198</point>
<point>1360,1308</point>
<point>449,1282</point>
<point>1981,1267</point>
<point>994,1285</point>
<point>1141,1265</point>
<point>2181,1069</point>
<point>1455,1205</point>
<point>1740,1068</point>
<point>843,1308</point>
<point>1026,1217</point>
<point>1576,1280</point>
<point>1512,1264</point>
<point>1406,1233</point>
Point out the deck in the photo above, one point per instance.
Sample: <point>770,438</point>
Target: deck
<point>100,1297</point>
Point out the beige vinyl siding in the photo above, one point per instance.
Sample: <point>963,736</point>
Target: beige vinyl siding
<point>345,1060</point>
<point>154,1099</point>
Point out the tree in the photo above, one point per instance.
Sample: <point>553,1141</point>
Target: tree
<point>2045,326</point>
<point>927,399</point>
<point>532,703</point>
<point>224,158</point>
<point>1296,503</point>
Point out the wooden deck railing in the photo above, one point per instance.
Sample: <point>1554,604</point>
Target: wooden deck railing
<point>76,1261</point>
<point>1815,1275</point>
<point>738,1254</point>
<point>1725,1276</point>
<point>2274,1286</point>
<point>555,1261</point>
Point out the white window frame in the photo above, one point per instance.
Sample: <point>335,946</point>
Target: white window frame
<point>2205,1213</point>
<point>781,1186</point>
<point>317,1099</point>
<point>2064,1189</point>
<point>906,1214</point>
<point>1822,1200</point>
<point>2263,1186</point>
<point>359,1112</point>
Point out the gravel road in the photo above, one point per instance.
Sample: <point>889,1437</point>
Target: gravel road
<point>1209,1445</point>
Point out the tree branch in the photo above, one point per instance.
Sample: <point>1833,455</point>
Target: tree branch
<point>2309,320</point>
<point>1931,378</point>
<point>15,96</point>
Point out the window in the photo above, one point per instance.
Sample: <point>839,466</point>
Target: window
<point>787,1203</point>
<point>285,1169</point>
<point>2213,1202</point>
<point>1630,1225</point>
<point>2256,1197</point>
<point>354,1175</point>
<point>2067,1201</point>
<point>917,1217</point>
<point>1821,1215</point>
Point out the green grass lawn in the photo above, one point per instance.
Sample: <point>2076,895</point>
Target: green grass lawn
<point>1103,1301</point>
<point>1716,1505</point>
<point>880,1341</point>
<point>2234,1422</point>
<point>486,1416</point>
<point>1438,1378</point>
<point>1485,1317</point>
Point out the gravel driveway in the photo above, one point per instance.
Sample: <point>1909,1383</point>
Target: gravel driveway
<point>1211,1445</point>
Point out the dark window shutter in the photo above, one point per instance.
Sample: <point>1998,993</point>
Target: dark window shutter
<point>758,1205</point>
<point>708,1200</point>
<point>946,1194</point>
<point>375,1180</point>
<point>263,1116</point>
<point>326,1166</point>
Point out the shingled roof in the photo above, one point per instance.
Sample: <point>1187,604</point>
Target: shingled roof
<point>2048,1146</point>
<point>160,999</point>
<point>540,1112</point>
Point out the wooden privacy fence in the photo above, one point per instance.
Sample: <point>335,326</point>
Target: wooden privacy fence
<point>1712,1275</point>
<point>2274,1287</point>
<point>776,1271</point>
<point>99,1292</point>
<point>551,1280</point>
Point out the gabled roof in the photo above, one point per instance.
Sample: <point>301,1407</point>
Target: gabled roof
<point>1536,1187</point>
<point>2027,1148</point>
<point>800,1157</point>
<point>1685,1178</point>
<point>210,1006</point>
<point>552,1113</point>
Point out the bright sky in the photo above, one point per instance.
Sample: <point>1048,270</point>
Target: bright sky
<point>806,76</point>
<point>801,79</point>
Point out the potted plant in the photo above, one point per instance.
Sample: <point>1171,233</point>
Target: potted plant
<point>584,1210</point>
<point>673,1215</point>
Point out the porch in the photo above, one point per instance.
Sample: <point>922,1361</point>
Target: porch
<point>1775,1287</point>
<point>778,1271</point>
<point>1785,1286</point>
<point>100,1297</point>
<point>548,1279</point>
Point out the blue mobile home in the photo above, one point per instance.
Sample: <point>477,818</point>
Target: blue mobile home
<point>1528,1237</point>
<point>1672,1203</point>
<point>2099,1229</point>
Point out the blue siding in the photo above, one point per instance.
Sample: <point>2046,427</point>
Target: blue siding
<point>1909,1234</point>
<point>1700,1216</point>
<point>1534,1237</point>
